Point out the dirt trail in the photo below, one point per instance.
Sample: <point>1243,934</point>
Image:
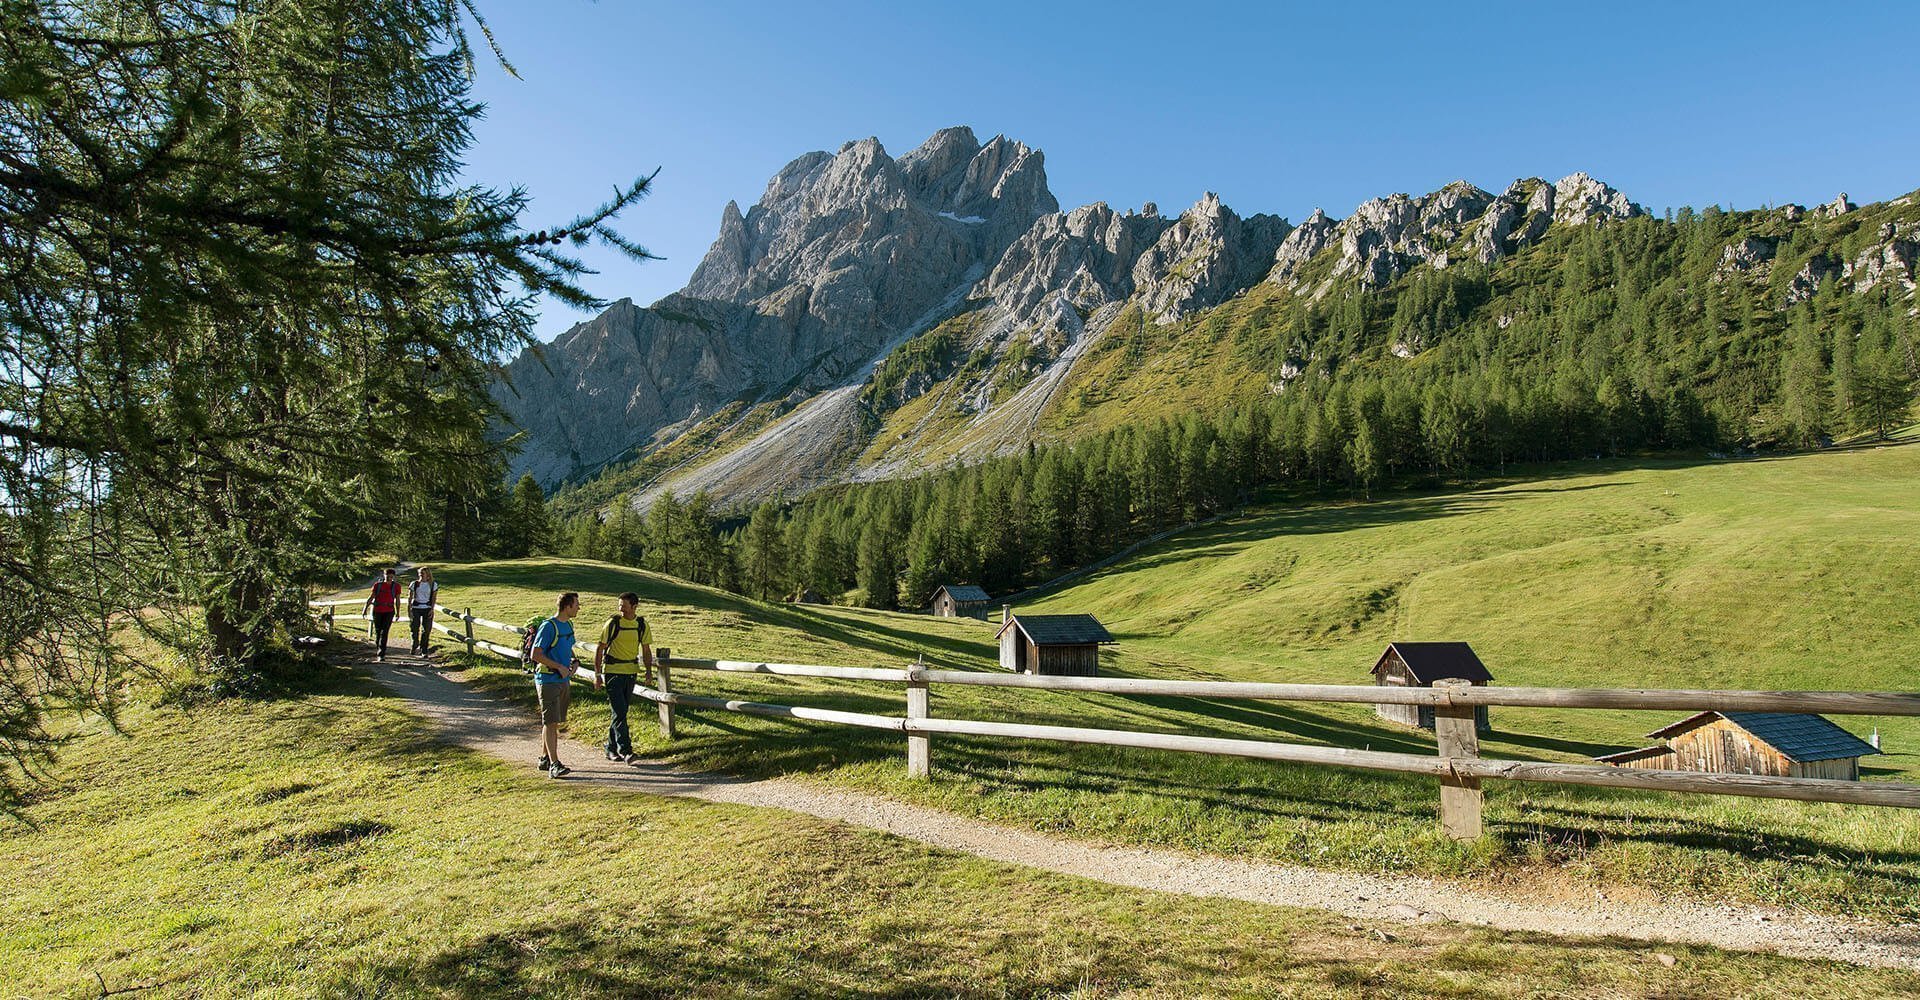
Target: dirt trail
<point>480,721</point>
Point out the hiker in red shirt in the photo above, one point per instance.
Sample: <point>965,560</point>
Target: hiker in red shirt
<point>383,600</point>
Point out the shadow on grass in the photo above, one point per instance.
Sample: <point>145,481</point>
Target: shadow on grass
<point>564,575</point>
<point>1579,747</point>
<point>1289,796</point>
<point>678,950</point>
<point>901,643</point>
<point>1798,850</point>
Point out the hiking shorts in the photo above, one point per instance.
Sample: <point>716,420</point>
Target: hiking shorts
<point>554,699</point>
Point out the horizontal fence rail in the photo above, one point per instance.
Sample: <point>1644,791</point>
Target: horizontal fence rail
<point>1830,702</point>
<point>1457,765</point>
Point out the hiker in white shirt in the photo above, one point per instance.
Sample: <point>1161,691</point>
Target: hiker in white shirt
<point>422,594</point>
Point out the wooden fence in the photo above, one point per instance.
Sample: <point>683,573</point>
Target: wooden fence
<point>1457,764</point>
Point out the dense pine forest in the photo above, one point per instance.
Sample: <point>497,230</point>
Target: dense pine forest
<point>1640,337</point>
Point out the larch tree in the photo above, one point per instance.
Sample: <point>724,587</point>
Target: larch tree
<point>247,306</point>
<point>1805,396</point>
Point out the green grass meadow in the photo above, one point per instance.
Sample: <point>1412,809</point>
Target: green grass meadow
<point>1772,573</point>
<point>327,845</point>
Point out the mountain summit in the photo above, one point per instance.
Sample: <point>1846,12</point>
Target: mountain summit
<point>871,316</point>
<point>844,253</point>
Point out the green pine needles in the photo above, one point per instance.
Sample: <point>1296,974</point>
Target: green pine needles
<point>249,318</point>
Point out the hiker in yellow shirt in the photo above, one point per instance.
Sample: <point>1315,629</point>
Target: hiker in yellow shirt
<point>625,643</point>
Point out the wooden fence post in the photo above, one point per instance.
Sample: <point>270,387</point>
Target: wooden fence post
<point>328,619</point>
<point>1453,726</point>
<point>919,746</point>
<point>468,618</point>
<point>666,687</point>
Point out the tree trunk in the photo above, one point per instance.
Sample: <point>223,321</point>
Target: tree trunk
<point>235,633</point>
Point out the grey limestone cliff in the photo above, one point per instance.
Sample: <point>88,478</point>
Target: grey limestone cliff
<point>1204,258</point>
<point>842,253</point>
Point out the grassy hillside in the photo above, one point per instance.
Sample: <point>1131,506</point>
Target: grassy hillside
<point>326,846</point>
<point>1797,572</point>
<point>1787,573</point>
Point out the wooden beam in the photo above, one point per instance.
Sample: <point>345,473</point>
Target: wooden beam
<point>919,747</point>
<point>894,675</point>
<point>1760,786</point>
<point>1453,725</point>
<point>502,626</point>
<point>1374,760</point>
<point>666,699</point>
<point>1827,702</point>
<point>666,702</point>
<point>1188,689</point>
<point>1834,702</point>
<point>497,649</point>
<point>1866,793</point>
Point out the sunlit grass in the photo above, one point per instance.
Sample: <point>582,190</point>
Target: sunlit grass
<point>327,846</point>
<point>1790,573</point>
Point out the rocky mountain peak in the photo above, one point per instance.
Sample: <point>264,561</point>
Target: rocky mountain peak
<point>955,202</point>
<point>1302,245</point>
<point>1839,206</point>
<point>1386,237</point>
<point>1206,256</point>
<point>1068,265</point>
<point>1579,199</point>
<point>939,160</point>
<point>843,253</point>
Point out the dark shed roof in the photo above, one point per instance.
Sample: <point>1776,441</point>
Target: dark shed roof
<point>1432,661</point>
<point>1060,630</point>
<point>965,592</point>
<point>1802,737</point>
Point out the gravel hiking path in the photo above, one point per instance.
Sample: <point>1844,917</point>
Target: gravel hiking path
<point>478,720</point>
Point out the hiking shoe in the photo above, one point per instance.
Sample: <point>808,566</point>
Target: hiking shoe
<point>558,769</point>
<point>544,762</point>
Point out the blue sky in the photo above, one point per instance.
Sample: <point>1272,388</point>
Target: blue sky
<point>1278,107</point>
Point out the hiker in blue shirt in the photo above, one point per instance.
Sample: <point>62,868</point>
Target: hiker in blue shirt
<point>553,668</point>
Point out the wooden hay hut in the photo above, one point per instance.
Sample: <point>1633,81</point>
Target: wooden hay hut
<point>1419,664</point>
<point>1052,644</point>
<point>807,595</point>
<point>962,600</point>
<point>1782,744</point>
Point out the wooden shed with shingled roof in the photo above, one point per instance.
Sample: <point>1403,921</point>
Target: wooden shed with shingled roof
<point>1052,644</point>
<point>1419,664</point>
<point>960,600</point>
<point>1782,744</point>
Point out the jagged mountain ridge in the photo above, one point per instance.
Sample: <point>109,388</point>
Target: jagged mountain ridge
<point>843,253</point>
<point>763,370</point>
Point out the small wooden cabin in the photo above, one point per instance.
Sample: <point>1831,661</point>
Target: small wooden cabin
<point>960,601</point>
<point>807,595</point>
<point>1782,744</point>
<point>1419,664</point>
<point>1052,644</point>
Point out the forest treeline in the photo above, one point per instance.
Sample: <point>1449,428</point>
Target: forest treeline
<point>1611,354</point>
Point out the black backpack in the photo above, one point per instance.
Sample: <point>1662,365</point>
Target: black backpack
<point>614,628</point>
